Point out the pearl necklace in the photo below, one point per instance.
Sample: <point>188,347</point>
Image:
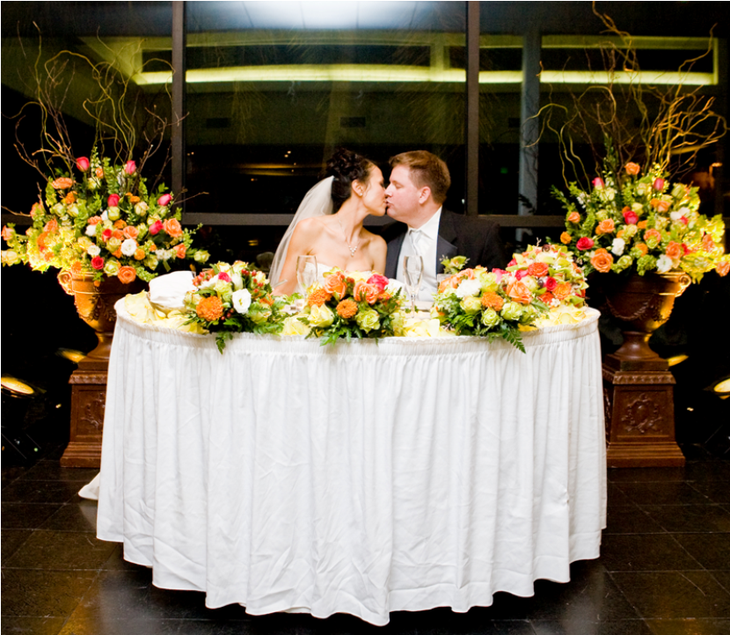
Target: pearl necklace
<point>347,242</point>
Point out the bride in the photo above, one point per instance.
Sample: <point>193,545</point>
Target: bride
<point>328,223</point>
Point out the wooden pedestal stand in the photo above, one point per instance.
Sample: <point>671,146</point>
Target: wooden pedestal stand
<point>88,396</point>
<point>639,401</point>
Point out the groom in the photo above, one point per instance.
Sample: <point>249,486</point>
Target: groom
<point>419,182</point>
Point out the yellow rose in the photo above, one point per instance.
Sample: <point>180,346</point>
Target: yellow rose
<point>294,326</point>
<point>471,304</point>
<point>321,316</point>
<point>367,320</point>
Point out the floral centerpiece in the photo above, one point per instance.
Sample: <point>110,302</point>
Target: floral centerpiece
<point>641,222</point>
<point>352,304</point>
<point>234,298</point>
<point>501,303</point>
<point>101,219</point>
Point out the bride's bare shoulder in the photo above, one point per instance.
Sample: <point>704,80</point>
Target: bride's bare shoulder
<point>310,226</point>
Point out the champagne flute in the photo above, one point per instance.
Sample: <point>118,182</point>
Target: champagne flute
<point>306,273</point>
<point>413,270</point>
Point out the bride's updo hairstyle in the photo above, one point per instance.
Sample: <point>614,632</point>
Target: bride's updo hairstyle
<point>346,166</point>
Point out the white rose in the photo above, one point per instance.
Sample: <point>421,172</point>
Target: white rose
<point>468,287</point>
<point>93,251</point>
<point>129,246</point>
<point>236,280</point>
<point>241,300</point>
<point>637,207</point>
<point>663,263</point>
<point>91,230</point>
<point>619,244</point>
<point>105,215</point>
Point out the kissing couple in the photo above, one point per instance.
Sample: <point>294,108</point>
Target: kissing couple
<point>329,223</point>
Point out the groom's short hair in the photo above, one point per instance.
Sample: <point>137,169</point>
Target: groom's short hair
<point>426,170</point>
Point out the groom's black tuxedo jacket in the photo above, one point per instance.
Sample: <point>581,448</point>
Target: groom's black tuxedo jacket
<point>471,236</point>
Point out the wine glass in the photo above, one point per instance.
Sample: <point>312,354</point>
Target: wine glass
<point>306,273</point>
<point>413,270</point>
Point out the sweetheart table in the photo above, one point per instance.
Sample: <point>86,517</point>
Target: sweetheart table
<point>362,478</point>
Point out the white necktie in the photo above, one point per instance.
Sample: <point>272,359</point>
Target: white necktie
<point>415,235</point>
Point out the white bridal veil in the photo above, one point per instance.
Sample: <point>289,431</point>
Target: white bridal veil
<point>316,202</point>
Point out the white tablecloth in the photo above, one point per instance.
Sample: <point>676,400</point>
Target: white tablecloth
<point>365,478</point>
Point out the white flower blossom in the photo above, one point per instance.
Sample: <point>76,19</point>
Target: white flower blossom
<point>105,215</point>
<point>241,300</point>
<point>93,251</point>
<point>664,263</point>
<point>91,230</point>
<point>128,247</point>
<point>619,244</point>
<point>468,287</point>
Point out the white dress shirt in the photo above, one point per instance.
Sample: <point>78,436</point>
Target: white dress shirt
<point>422,241</point>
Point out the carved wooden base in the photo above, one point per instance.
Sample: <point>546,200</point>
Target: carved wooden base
<point>639,403</point>
<point>88,396</point>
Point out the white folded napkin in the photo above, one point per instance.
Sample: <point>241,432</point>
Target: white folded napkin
<point>168,292</point>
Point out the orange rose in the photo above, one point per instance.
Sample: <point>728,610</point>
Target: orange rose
<point>642,248</point>
<point>130,231</point>
<point>723,267</point>
<point>518,292</point>
<point>365,291</point>
<point>641,224</point>
<point>491,300</point>
<point>139,254</point>
<point>70,198</point>
<point>537,269</point>
<point>347,309</point>
<point>120,224</point>
<point>659,204</point>
<point>573,217</point>
<point>62,184</point>
<point>94,220</point>
<point>562,291</point>
<point>547,297</point>
<point>77,267</point>
<point>51,226</point>
<point>117,233</point>
<point>99,173</point>
<point>620,233</point>
<point>632,169</point>
<point>210,308</point>
<point>602,261</point>
<point>126,274</point>
<point>132,198</point>
<point>172,227</point>
<point>652,233</point>
<point>318,297</point>
<point>118,253</point>
<point>674,250</point>
<point>707,243</point>
<point>335,284</point>
<point>180,250</point>
<point>565,238</point>
<point>605,227</point>
<point>41,240</point>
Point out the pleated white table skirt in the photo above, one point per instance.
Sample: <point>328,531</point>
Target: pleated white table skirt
<point>362,478</point>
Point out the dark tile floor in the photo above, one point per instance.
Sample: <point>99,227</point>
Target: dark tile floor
<point>664,569</point>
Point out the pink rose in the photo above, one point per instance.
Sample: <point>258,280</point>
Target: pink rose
<point>520,273</point>
<point>379,281</point>
<point>499,273</point>
<point>658,184</point>
<point>106,234</point>
<point>584,244</point>
<point>224,277</point>
<point>130,167</point>
<point>82,163</point>
<point>113,200</point>
<point>97,262</point>
<point>598,183</point>
<point>156,227</point>
<point>551,283</point>
<point>164,200</point>
<point>630,217</point>
<point>684,219</point>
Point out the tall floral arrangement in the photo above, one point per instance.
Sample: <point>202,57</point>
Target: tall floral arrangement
<point>640,222</point>
<point>95,213</point>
